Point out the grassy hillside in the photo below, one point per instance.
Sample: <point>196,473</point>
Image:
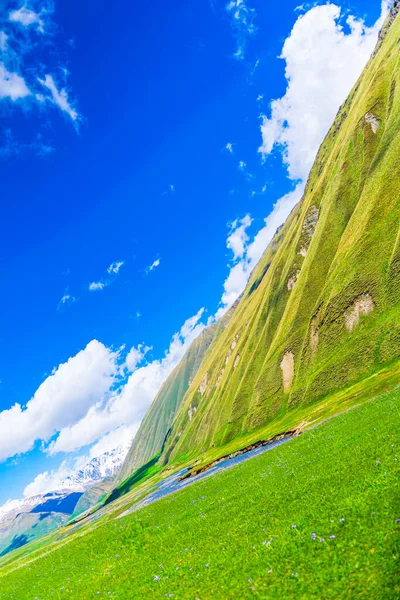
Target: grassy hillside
<point>158,420</point>
<point>320,522</point>
<point>322,309</point>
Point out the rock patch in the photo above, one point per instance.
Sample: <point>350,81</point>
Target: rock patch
<point>204,383</point>
<point>362,306</point>
<point>372,120</point>
<point>309,225</point>
<point>292,280</point>
<point>191,412</point>
<point>287,367</point>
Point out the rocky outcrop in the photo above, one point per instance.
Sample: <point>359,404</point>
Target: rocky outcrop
<point>203,384</point>
<point>372,120</point>
<point>287,368</point>
<point>292,280</point>
<point>362,306</point>
<point>309,226</point>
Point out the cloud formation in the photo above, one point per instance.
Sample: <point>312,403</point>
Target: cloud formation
<point>61,400</point>
<point>323,63</point>
<point>153,266</point>
<point>59,97</point>
<point>128,404</point>
<point>243,26</point>
<point>24,78</point>
<point>115,267</point>
<point>113,270</point>
<point>94,393</point>
<point>26,17</point>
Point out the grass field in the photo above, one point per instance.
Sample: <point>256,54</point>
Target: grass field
<point>315,518</point>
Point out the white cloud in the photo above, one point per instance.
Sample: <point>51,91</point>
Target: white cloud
<point>229,148</point>
<point>66,300</point>
<point>121,436</point>
<point>128,404</point>
<point>135,356</point>
<point>26,17</point>
<point>12,85</point>
<point>97,286</point>
<point>242,20</point>
<point>61,400</point>
<point>238,237</point>
<point>21,70</point>
<point>59,97</point>
<point>48,481</point>
<point>115,267</point>
<point>153,266</point>
<point>323,62</point>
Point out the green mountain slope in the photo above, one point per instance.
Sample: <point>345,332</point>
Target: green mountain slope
<point>152,432</point>
<point>322,308</point>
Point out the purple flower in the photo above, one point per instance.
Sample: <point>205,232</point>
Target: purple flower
<point>156,578</point>
<point>293,526</point>
<point>332,537</point>
<point>321,539</point>
<point>397,520</point>
<point>313,536</point>
<point>341,520</point>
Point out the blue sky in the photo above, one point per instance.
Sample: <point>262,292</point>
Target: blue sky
<point>140,147</point>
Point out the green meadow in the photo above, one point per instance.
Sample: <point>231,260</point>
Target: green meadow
<point>318,517</point>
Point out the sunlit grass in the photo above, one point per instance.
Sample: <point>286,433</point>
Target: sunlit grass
<point>314,518</point>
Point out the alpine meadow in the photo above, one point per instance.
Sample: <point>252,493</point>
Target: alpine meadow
<point>260,458</point>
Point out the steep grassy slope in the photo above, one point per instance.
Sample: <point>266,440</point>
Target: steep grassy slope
<point>322,309</point>
<point>312,519</point>
<point>158,420</point>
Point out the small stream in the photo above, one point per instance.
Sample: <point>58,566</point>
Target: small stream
<point>172,483</point>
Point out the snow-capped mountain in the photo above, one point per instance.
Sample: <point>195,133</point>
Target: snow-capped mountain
<point>98,468</point>
<point>25,505</point>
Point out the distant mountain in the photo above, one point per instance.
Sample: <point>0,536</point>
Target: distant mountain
<point>322,308</point>
<point>22,521</point>
<point>106,465</point>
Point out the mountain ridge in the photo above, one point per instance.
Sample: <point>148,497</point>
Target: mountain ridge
<point>321,307</point>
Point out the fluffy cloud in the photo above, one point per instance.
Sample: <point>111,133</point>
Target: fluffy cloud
<point>97,286</point>
<point>242,19</point>
<point>61,400</point>
<point>135,356</point>
<point>59,97</point>
<point>12,85</point>
<point>115,267</point>
<point>153,266</point>
<point>26,17</point>
<point>28,57</point>
<point>323,63</point>
<point>128,404</point>
<point>238,238</point>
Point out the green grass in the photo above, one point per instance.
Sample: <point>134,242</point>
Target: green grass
<point>231,536</point>
<point>354,250</point>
